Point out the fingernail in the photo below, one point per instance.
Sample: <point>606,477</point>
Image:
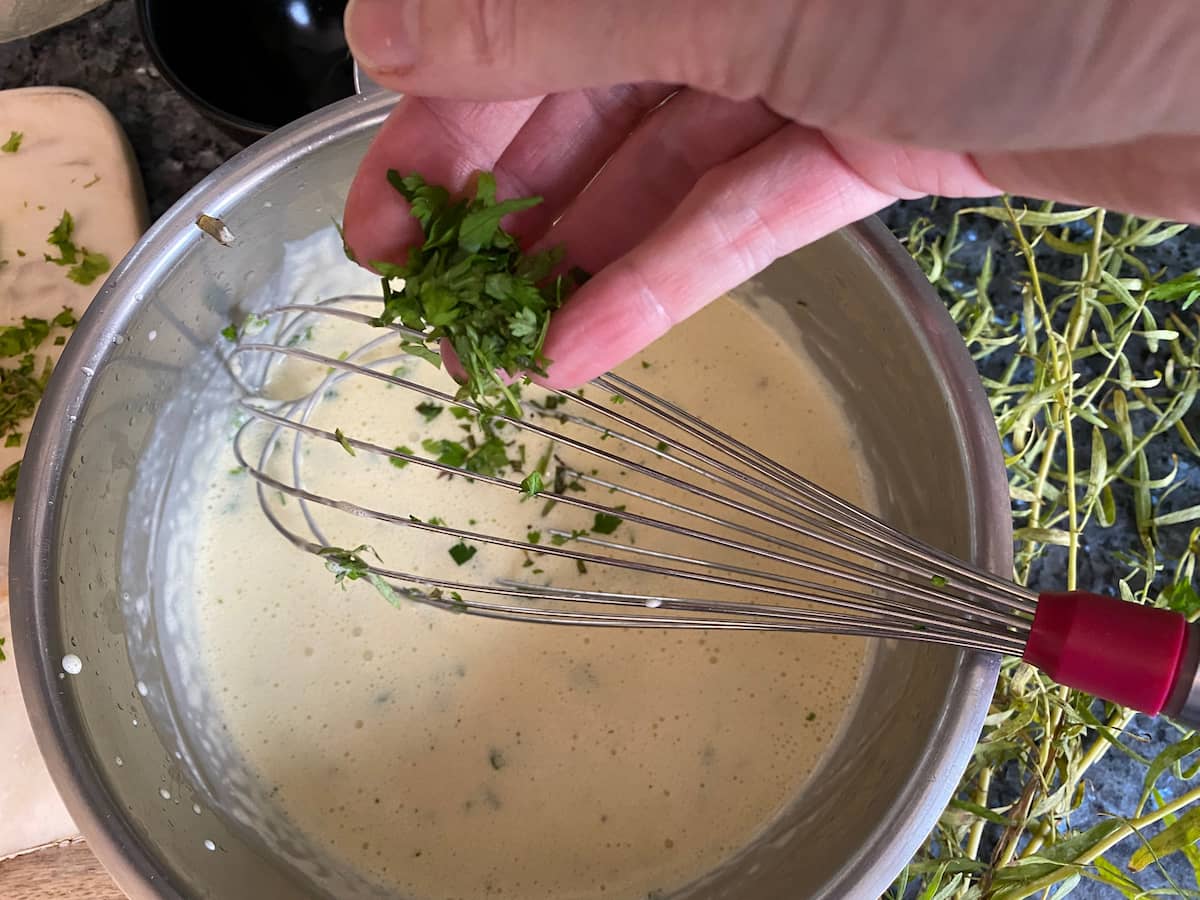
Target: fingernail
<point>382,34</point>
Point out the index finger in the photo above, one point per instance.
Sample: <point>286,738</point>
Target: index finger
<point>741,216</point>
<point>447,141</point>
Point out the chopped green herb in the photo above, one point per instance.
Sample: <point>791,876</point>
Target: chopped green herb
<point>13,440</point>
<point>446,452</point>
<point>91,267</point>
<point>580,567</point>
<point>460,552</point>
<point>645,365</point>
<point>341,439</point>
<point>415,348</point>
<point>237,470</point>
<point>18,339</point>
<point>606,523</point>
<point>230,333</point>
<point>811,717</point>
<point>534,537</point>
<point>559,539</point>
<point>8,481</point>
<point>13,144</point>
<point>489,457</point>
<point>939,581</point>
<point>430,410</point>
<point>470,284</point>
<point>86,266</point>
<point>3,657</point>
<point>662,447</point>
<point>396,461</point>
<point>21,388</point>
<point>348,565</point>
<point>532,485</point>
<point>617,398</point>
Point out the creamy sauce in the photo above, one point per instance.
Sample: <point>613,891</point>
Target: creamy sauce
<point>448,756</point>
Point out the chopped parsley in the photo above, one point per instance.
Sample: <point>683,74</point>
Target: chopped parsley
<point>348,565</point>
<point>230,333</point>
<point>396,461</point>
<point>461,553</point>
<point>430,411</point>
<point>21,386</point>
<point>85,266</point>
<point>605,523</point>
<point>341,439</point>
<point>18,339</point>
<point>532,485</point>
<point>471,284</point>
<point>13,144</point>
<point>446,452</point>
<point>8,481</point>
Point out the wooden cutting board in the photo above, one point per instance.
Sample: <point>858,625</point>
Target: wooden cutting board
<point>72,157</point>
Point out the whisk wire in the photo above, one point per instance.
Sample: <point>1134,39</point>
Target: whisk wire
<point>885,583</point>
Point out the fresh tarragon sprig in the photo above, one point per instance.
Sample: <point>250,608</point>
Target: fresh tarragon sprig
<point>470,284</point>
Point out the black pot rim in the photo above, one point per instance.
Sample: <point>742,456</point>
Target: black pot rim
<point>215,113</point>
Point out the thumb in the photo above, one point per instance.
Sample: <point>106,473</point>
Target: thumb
<point>508,49</point>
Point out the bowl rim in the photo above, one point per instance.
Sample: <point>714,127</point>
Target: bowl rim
<point>866,873</point>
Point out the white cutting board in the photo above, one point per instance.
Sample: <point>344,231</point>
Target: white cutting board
<point>69,140</point>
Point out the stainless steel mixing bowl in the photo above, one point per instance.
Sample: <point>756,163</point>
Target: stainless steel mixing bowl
<point>103,468</point>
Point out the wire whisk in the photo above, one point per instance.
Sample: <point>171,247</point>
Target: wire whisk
<point>696,529</point>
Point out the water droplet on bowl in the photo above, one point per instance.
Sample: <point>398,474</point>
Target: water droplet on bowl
<point>72,664</point>
<point>142,689</point>
<point>164,793</point>
<point>209,845</point>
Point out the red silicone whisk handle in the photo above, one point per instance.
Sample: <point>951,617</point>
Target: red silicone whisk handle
<point>1137,656</point>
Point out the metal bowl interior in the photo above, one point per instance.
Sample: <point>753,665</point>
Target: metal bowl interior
<point>114,423</point>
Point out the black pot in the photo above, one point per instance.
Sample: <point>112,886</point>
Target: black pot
<point>250,66</point>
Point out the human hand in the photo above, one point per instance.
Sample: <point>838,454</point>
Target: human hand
<point>783,120</point>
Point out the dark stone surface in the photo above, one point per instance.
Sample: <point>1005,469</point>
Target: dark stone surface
<point>176,147</point>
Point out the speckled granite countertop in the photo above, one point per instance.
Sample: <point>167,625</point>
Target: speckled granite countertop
<point>102,54</point>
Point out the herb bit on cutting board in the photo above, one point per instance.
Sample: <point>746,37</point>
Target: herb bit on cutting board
<point>471,285</point>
